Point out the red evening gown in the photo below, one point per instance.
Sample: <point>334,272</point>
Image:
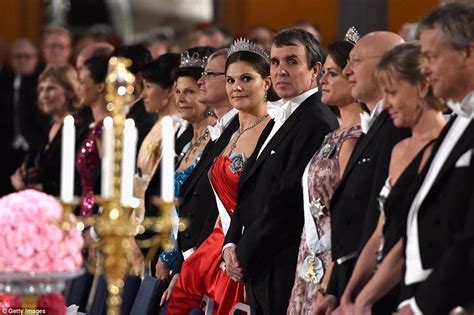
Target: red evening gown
<point>201,274</point>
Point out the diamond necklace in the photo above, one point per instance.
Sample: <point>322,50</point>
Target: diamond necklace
<point>194,145</point>
<point>240,132</point>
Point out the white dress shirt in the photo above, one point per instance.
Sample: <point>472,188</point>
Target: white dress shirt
<point>289,107</point>
<point>367,120</point>
<point>221,124</point>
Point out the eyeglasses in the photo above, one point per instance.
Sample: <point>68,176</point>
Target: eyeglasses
<point>210,74</point>
<point>358,60</point>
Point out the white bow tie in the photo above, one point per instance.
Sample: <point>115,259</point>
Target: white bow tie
<point>279,111</point>
<point>215,131</point>
<point>464,108</point>
<point>365,122</point>
<point>459,110</point>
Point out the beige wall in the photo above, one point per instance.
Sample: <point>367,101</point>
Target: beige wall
<point>403,11</point>
<point>20,18</point>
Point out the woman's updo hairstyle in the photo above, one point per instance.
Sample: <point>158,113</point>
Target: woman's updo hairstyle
<point>160,70</point>
<point>66,77</point>
<point>256,56</point>
<point>404,62</point>
<point>192,63</point>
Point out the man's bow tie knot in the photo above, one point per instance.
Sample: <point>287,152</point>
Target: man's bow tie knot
<point>279,111</point>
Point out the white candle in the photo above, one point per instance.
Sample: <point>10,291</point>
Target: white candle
<point>167,159</point>
<point>67,160</point>
<point>107,158</point>
<point>129,149</point>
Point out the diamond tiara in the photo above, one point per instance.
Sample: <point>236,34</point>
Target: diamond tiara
<point>192,61</point>
<point>352,35</point>
<point>243,44</point>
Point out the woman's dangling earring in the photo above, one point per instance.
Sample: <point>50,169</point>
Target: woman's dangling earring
<point>421,103</point>
<point>266,95</point>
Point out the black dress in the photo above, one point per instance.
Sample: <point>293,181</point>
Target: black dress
<point>395,222</point>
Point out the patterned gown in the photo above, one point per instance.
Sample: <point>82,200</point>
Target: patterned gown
<point>201,273</point>
<point>149,157</point>
<point>323,177</point>
<point>88,165</point>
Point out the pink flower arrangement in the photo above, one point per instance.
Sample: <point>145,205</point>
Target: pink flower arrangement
<point>31,238</point>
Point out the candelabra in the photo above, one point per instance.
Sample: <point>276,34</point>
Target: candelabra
<point>114,225</point>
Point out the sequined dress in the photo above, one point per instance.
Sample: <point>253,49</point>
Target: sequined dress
<point>88,166</point>
<point>201,273</point>
<point>323,177</point>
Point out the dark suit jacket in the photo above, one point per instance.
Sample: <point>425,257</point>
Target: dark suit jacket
<point>270,205</point>
<point>144,121</point>
<point>357,192</point>
<point>32,123</point>
<point>446,232</point>
<point>197,200</point>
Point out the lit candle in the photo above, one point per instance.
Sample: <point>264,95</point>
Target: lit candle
<point>107,158</point>
<point>130,136</point>
<point>167,160</point>
<point>67,160</point>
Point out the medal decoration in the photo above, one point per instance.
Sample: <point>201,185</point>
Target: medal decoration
<point>312,270</point>
<point>317,209</point>
<point>327,150</point>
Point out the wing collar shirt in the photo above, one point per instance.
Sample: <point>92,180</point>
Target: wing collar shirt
<point>280,112</point>
<point>221,124</point>
<point>367,120</point>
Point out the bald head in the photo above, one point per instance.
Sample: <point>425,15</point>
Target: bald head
<point>364,58</point>
<point>379,42</point>
<point>93,50</point>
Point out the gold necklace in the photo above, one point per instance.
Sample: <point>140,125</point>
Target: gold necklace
<point>240,132</point>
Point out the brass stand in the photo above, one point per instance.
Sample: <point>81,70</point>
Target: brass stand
<point>114,226</point>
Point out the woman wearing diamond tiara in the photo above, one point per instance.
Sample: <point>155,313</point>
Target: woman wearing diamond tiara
<point>248,84</point>
<point>410,102</point>
<point>198,115</point>
<point>321,177</point>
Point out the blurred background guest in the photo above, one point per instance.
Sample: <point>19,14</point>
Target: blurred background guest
<point>88,160</point>
<point>56,44</point>
<point>261,35</point>
<point>93,50</point>
<point>21,121</point>
<point>57,98</point>
<point>139,56</point>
